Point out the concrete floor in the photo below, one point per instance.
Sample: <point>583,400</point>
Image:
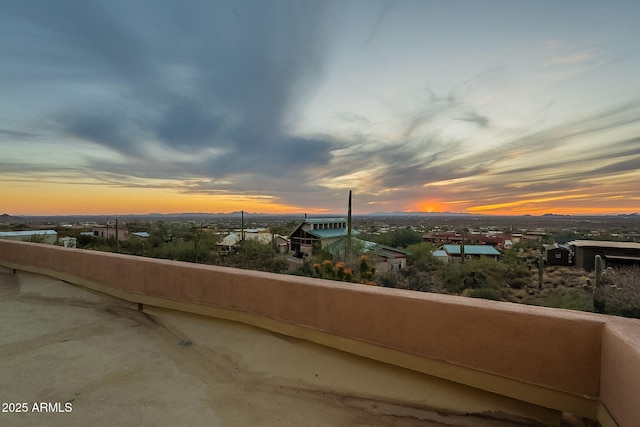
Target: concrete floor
<point>112,365</point>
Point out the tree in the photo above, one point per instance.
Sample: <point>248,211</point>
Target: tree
<point>400,238</point>
<point>283,229</point>
<point>255,255</point>
<point>421,257</point>
<point>85,241</point>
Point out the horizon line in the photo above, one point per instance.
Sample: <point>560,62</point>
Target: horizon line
<point>324,214</point>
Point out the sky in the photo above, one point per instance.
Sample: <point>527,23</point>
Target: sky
<point>483,107</point>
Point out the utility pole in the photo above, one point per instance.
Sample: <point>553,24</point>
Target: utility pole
<point>117,240</point>
<point>242,225</point>
<point>348,254</point>
<point>195,242</point>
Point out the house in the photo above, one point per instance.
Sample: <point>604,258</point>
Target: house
<point>44,236</point>
<point>496,239</point>
<point>228,242</point>
<point>282,244</point>
<point>442,237</point>
<point>106,232</point>
<point>470,251</point>
<point>319,231</point>
<point>441,255</point>
<point>613,253</point>
<point>558,254</point>
<point>384,258</point>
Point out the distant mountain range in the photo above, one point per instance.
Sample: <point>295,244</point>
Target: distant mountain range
<point>9,218</point>
<point>6,218</point>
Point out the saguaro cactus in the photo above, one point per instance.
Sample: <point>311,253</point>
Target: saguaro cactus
<point>599,264</point>
<point>598,293</point>
<point>540,270</point>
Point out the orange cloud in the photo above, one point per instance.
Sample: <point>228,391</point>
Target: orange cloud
<point>575,204</point>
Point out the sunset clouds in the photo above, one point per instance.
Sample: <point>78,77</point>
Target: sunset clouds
<point>280,106</point>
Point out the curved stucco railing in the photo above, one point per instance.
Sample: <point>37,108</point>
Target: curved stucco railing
<point>581,363</point>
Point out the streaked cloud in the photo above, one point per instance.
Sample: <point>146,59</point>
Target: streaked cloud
<point>291,103</point>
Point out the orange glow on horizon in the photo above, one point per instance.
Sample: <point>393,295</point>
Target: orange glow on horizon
<point>61,199</point>
<point>557,210</point>
<point>32,198</point>
<point>431,206</point>
<point>560,206</point>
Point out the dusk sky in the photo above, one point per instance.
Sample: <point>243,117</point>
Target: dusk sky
<point>492,107</point>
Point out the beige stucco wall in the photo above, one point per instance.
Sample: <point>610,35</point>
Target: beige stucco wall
<point>558,359</point>
<point>620,372</point>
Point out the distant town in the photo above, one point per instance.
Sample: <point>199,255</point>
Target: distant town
<point>588,263</point>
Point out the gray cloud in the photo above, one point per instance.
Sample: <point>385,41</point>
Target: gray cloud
<point>9,134</point>
<point>473,117</point>
<point>189,77</point>
<point>104,127</point>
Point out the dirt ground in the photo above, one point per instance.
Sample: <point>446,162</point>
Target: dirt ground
<point>95,360</point>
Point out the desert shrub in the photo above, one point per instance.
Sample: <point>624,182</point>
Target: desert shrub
<point>453,278</point>
<point>622,292</point>
<point>389,280</point>
<point>413,279</point>
<point>421,257</point>
<point>487,293</point>
<point>519,282</point>
<point>255,255</point>
<point>341,271</point>
<point>476,273</point>
<point>569,298</point>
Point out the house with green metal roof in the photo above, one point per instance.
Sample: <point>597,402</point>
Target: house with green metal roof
<point>470,251</point>
<point>321,231</point>
<point>384,258</point>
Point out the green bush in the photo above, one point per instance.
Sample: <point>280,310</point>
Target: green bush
<point>421,257</point>
<point>569,298</point>
<point>487,293</point>
<point>255,255</point>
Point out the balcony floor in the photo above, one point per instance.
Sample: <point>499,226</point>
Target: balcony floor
<point>117,366</point>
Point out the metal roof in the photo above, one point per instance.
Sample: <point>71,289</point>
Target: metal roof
<point>141,234</point>
<point>471,250</point>
<point>230,240</point>
<point>622,258</point>
<point>331,232</point>
<point>27,233</point>
<point>368,247</point>
<point>556,246</point>
<point>604,244</point>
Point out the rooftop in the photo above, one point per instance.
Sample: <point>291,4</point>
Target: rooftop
<point>26,233</point>
<point>471,249</point>
<point>331,232</point>
<point>119,366</point>
<point>380,351</point>
<point>338,247</point>
<point>324,220</point>
<point>604,244</point>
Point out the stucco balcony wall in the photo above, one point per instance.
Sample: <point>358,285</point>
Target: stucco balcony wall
<point>576,362</point>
